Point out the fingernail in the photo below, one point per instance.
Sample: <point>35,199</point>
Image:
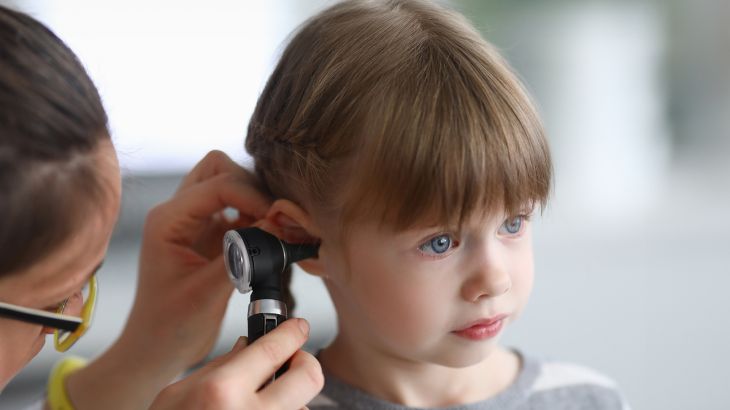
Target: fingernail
<point>304,326</point>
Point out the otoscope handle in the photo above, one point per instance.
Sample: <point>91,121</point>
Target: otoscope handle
<point>264,315</point>
<point>261,324</point>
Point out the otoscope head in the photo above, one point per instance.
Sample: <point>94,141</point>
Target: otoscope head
<point>255,260</point>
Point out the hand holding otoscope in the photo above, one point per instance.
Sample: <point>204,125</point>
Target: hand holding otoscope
<point>255,261</point>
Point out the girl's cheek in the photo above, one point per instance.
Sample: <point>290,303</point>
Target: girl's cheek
<point>523,281</point>
<point>413,313</point>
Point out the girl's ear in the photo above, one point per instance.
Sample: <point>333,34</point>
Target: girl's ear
<point>291,223</point>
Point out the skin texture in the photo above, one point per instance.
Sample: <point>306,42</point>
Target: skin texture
<point>181,298</point>
<point>398,304</point>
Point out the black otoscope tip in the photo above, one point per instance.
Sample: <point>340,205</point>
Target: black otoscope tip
<point>300,251</point>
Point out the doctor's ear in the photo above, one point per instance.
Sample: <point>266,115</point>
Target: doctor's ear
<point>291,223</point>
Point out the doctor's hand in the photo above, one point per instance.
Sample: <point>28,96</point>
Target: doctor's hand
<point>182,290</point>
<point>232,381</point>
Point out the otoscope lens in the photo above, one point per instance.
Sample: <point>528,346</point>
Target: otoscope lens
<point>235,261</point>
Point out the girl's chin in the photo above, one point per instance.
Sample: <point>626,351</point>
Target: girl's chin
<point>464,356</point>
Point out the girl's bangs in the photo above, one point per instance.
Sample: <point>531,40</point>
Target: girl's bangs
<point>476,150</point>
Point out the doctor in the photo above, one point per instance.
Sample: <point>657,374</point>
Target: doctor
<point>60,190</point>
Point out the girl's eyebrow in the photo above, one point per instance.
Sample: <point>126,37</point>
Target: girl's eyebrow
<point>428,230</point>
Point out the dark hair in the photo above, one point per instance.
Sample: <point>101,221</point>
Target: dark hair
<point>51,120</point>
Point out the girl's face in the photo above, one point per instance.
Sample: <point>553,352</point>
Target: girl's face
<point>59,275</point>
<point>431,295</point>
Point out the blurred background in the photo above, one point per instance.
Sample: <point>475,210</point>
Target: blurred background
<point>633,253</point>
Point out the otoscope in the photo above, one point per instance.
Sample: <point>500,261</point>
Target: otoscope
<point>255,260</point>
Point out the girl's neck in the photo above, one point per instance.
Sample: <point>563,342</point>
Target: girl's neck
<point>415,384</point>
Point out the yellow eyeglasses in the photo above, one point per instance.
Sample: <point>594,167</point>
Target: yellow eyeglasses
<point>71,320</point>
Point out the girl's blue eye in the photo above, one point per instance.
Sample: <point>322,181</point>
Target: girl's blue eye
<point>512,226</point>
<point>437,245</point>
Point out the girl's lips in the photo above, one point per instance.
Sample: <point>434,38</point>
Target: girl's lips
<point>482,329</point>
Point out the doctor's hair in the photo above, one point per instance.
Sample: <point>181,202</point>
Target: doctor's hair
<point>51,121</point>
<point>398,111</point>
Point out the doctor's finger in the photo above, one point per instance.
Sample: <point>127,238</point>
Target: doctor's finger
<point>214,163</point>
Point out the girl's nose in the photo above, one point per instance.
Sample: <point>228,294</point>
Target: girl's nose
<point>489,279</point>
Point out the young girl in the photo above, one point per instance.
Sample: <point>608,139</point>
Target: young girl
<point>399,139</point>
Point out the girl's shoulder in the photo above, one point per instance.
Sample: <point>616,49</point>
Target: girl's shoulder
<point>559,384</point>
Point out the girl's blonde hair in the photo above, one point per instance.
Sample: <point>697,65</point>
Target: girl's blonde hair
<point>397,110</point>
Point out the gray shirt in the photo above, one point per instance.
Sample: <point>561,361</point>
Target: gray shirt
<point>539,385</point>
